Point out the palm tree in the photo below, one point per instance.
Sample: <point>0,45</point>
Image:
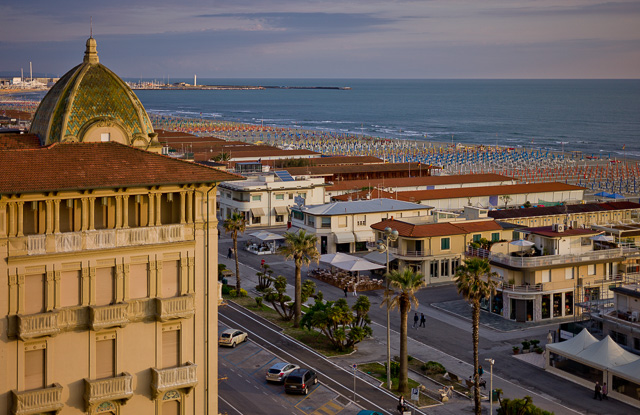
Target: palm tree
<point>407,282</point>
<point>472,286</point>
<point>235,224</point>
<point>301,247</point>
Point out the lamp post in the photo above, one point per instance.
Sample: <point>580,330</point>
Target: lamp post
<point>390,235</point>
<point>491,362</point>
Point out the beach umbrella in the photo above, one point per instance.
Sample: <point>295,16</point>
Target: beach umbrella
<point>337,257</point>
<point>357,264</point>
<point>602,238</point>
<point>521,243</point>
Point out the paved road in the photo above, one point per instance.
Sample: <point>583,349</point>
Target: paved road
<point>451,333</point>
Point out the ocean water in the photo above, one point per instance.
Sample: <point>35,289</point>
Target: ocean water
<point>591,116</point>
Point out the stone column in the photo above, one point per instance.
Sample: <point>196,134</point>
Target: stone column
<point>158,209</point>
<point>49,217</point>
<point>84,214</point>
<point>190,196</point>
<point>56,216</point>
<point>20,278</point>
<point>92,285</point>
<point>92,210</point>
<point>20,207</point>
<point>125,211</point>
<point>118,223</point>
<point>184,276</point>
<point>86,288</point>
<point>183,195</point>
<point>191,270</point>
<point>125,282</point>
<point>49,291</point>
<point>4,231</point>
<point>13,294</point>
<point>151,209</point>
<point>153,279</point>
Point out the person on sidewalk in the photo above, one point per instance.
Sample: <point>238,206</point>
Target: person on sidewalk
<point>346,290</point>
<point>605,391</point>
<point>415,321</point>
<point>401,406</point>
<point>480,371</point>
<point>355,293</point>
<point>230,253</point>
<point>423,320</point>
<point>597,394</point>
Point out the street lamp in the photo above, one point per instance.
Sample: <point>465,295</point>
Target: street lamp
<point>491,362</point>
<point>390,235</point>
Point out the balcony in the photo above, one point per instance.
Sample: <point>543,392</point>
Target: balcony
<point>38,401</point>
<point>36,244</point>
<point>107,316</point>
<point>38,325</point>
<point>181,377</point>
<point>175,307</point>
<point>526,288</point>
<point>118,388</point>
<point>621,318</point>
<point>412,254</point>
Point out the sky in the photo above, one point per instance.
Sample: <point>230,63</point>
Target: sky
<point>422,39</point>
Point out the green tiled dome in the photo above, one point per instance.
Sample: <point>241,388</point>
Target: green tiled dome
<point>90,96</point>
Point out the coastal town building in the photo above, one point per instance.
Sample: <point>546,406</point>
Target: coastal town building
<point>622,322</point>
<point>349,172</point>
<point>346,226</point>
<point>109,257</point>
<point>265,199</point>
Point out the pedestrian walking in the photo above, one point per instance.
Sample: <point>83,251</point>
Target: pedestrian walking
<point>605,391</point>
<point>346,290</point>
<point>480,371</point>
<point>597,394</point>
<point>415,321</point>
<point>355,292</point>
<point>423,320</point>
<point>230,253</point>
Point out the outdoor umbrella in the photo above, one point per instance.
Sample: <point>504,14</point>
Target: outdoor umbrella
<point>602,238</point>
<point>266,236</point>
<point>522,243</point>
<point>357,264</point>
<point>337,257</point>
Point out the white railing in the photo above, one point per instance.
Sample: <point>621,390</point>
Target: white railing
<point>43,400</point>
<point>69,242</point>
<point>414,254</point>
<point>36,244</point>
<point>522,288</point>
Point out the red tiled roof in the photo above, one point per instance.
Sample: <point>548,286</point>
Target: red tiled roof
<point>462,192</point>
<point>547,231</point>
<point>80,166</point>
<point>419,181</point>
<point>436,229</point>
<point>18,141</point>
<point>359,168</point>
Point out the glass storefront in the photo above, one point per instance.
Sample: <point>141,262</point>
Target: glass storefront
<point>546,306</point>
<point>557,305</point>
<point>626,387</point>
<point>568,303</point>
<point>575,368</point>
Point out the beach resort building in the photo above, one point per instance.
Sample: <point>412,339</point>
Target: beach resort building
<point>346,226</point>
<point>109,257</point>
<point>546,273</point>
<point>266,199</point>
<point>622,322</point>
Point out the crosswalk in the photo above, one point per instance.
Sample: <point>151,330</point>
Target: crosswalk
<point>330,408</point>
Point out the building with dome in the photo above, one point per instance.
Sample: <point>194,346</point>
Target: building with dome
<point>108,260</point>
<point>90,104</point>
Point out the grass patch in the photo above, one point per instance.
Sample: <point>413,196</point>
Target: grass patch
<point>378,371</point>
<point>416,365</point>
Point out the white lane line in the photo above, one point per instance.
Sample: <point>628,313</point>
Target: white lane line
<point>311,351</point>
<point>230,406</point>
<point>495,376</point>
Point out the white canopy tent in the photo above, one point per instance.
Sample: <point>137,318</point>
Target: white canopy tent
<point>605,354</point>
<point>337,257</point>
<point>630,371</point>
<point>266,236</point>
<point>575,345</point>
<point>357,264</point>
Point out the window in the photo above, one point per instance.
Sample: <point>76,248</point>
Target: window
<point>326,221</point>
<point>568,303</point>
<point>444,268</point>
<point>280,196</point>
<point>591,269</point>
<point>105,292</point>
<point>34,293</point>
<point>170,279</point>
<point>35,368</point>
<point>105,137</point>
<point>546,275</point>
<point>297,214</point>
<point>516,235</point>
<point>256,198</point>
<point>568,273</point>
<point>256,219</point>
<point>303,195</point>
<point>106,356</point>
<point>290,196</point>
<point>546,306</point>
<point>477,237</point>
<point>445,244</point>
<point>362,220</point>
<point>311,221</point>
<point>636,343</point>
<point>170,407</point>
<point>342,222</point>
<point>434,269</point>
<point>279,218</point>
<point>138,281</point>
<point>495,237</point>
<point>619,338</point>
<point>170,347</point>
<point>70,288</point>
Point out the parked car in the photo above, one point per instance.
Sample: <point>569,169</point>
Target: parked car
<point>232,337</point>
<point>279,371</point>
<point>368,412</point>
<point>300,380</point>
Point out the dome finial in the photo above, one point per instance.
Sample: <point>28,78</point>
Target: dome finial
<point>91,54</point>
<point>91,27</point>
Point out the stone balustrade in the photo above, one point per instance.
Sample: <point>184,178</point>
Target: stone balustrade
<point>175,307</point>
<point>107,316</point>
<point>37,325</point>
<point>117,388</point>
<point>180,377</point>
<point>35,401</point>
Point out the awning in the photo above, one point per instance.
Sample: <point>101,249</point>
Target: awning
<point>281,210</point>
<point>364,236</point>
<point>257,212</point>
<point>379,257</point>
<point>344,237</point>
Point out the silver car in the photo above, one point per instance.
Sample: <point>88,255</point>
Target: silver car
<point>279,371</point>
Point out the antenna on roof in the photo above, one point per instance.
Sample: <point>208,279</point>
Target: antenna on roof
<point>91,26</point>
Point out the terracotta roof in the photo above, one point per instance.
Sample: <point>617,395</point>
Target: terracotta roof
<point>561,210</point>
<point>334,160</point>
<point>80,166</point>
<point>419,181</point>
<point>18,141</point>
<point>463,192</point>
<point>364,194</point>
<point>411,230</point>
<point>547,231</point>
<point>358,168</point>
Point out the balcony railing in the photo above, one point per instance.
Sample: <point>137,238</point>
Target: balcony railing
<point>525,288</point>
<point>101,239</point>
<point>622,318</point>
<point>175,307</point>
<point>550,260</point>
<point>117,388</point>
<point>36,325</point>
<point>181,377</point>
<point>413,254</point>
<point>69,242</point>
<point>38,401</point>
<point>114,315</point>
<point>36,244</point>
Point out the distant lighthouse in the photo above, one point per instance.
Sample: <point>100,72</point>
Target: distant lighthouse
<point>195,82</point>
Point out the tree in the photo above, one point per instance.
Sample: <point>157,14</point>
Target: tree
<point>343,326</point>
<point>225,157</point>
<point>407,282</point>
<point>472,286</point>
<point>265,277</point>
<point>506,199</point>
<point>235,224</point>
<point>301,247</point>
<point>281,302</point>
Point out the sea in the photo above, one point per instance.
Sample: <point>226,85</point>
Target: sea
<point>595,117</point>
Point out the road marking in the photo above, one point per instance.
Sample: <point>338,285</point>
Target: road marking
<point>330,408</point>
<point>230,406</point>
<point>350,372</point>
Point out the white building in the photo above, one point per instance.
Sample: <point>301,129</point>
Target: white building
<point>346,226</point>
<point>265,199</point>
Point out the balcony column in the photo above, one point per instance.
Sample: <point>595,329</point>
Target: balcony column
<point>13,222</point>
<point>85,289</point>
<point>184,276</point>
<point>49,291</point>
<point>182,207</point>
<point>20,208</point>
<point>49,217</point>
<point>125,211</point>
<point>451,270</point>
<point>56,216</point>
<point>151,210</point>
<point>119,209</point>
<point>84,214</point>
<point>56,290</point>
<point>190,196</point>
<point>119,283</point>
<point>158,198</point>
<point>92,211</point>
<point>3,220</point>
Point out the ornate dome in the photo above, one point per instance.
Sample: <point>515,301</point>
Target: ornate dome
<point>90,103</point>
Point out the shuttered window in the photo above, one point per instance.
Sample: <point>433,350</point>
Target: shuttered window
<point>34,369</point>
<point>171,408</point>
<point>170,348</point>
<point>138,281</point>
<point>34,293</point>
<point>104,286</point>
<point>70,288</point>
<point>105,358</point>
<point>170,283</point>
